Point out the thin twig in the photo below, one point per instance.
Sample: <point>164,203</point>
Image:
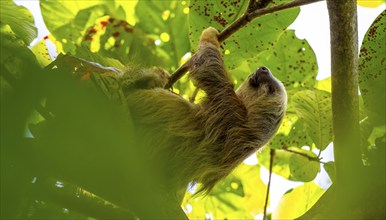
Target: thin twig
<point>317,159</point>
<point>193,98</point>
<point>272,155</point>
<point>177,75</point>
<point>238,24</point>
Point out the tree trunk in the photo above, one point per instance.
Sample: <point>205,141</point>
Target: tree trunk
<point>342,200</point>
<point>345,107</point>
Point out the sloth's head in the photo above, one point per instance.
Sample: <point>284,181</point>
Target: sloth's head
<point>265,99</point>
<point>264,96</point>
<point>262,83</point>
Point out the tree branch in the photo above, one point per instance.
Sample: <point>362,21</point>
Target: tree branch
<point>253,4</point>
<point>247,17</point>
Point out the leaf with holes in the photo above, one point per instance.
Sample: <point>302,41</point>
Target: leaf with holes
<point>314,108</point>
<point>372,70</point>
<point>259,35</point>
<point>294,165</point>
<point>71,21</point>
<point>292,133</point>
<point>291,60</point>
<point>41,52</point>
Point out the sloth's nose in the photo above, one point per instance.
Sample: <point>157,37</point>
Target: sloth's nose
<point>263,70</point>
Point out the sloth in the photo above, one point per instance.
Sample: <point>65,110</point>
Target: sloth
<point>203,142</point>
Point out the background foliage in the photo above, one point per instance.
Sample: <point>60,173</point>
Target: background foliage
<point>100,37</point>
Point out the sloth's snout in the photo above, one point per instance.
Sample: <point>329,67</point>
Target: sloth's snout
<point>262,76</point>
<point>263,70</point>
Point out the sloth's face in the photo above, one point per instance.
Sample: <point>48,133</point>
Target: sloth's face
<point>261,82</point>
<point>262,77</point>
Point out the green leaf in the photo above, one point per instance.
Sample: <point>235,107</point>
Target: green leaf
<point>259,35</point>
<point>303,168</point>
<point>330,169</point>
<point>324,84</point>
<point>296,202</point>
<point>372,70</point>
<point>15,56</point>
<point>294,165</point>
<point>22,24</point>
<point>41,52</point>
<point>291,60</point>
<point>71,19</point>
<point>66,11</point>
<point>100,27</point>
<point>237,196</point>
<point>314,108</point>
<point>292,133</point>
<point>82,52</point>
<point>167,20</point>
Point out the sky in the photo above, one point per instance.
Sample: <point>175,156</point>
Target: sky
<point>312,24</point>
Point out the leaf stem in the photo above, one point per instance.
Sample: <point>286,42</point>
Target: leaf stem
<point>272,155</point>
<point>317,159</point>
<point>193,98</point>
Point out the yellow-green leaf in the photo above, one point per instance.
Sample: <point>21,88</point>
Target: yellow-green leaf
<point>370,3</point>
<point>314,108</point>
<point>293,164</point>
<point>41,52</point>
<point>297,201</point>
<point>22,24</point>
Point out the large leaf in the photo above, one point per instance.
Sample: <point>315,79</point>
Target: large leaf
<point>66,11</point>
<point>259,35</point>
<point>92,136</point>
<point>314,108</point>
<point>41,52</point>
<point>15,56</point>
<point>19,84</point>
<point>295,165</point>
<point>167,20</point>
<point>291,60</point>
<point>21,87</point>
<point>297,201</point>
<point>372,70</point>
<point>100,27</point>
<point>292,133</point>
<point>71,18</point>
<point>237,196</point>
<point>22,24</point>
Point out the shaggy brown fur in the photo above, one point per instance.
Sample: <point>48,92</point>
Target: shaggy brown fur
<point>204,142</point>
